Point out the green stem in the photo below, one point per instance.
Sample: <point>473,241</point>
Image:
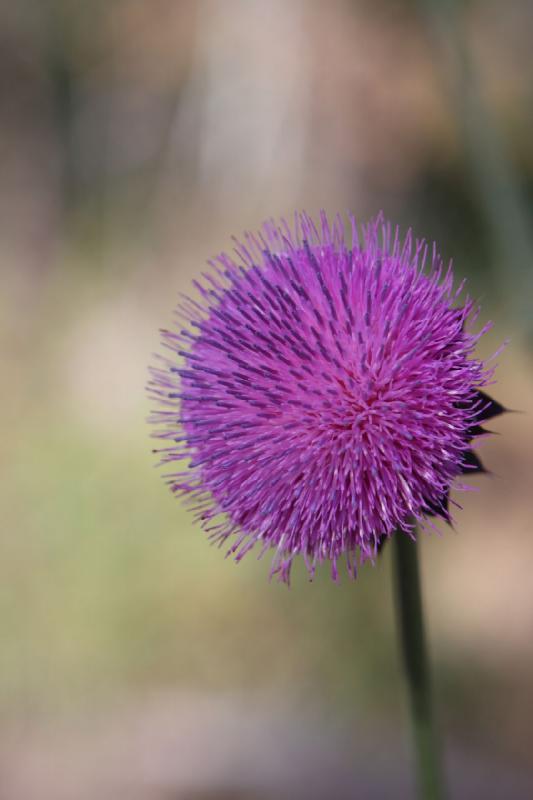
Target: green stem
<point>416,665</point>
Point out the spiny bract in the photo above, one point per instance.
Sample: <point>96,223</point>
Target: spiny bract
<point>322,395</point>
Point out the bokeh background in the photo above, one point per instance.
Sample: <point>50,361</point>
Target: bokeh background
<point>135,137</point>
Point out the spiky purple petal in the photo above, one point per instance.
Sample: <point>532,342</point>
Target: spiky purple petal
<point>327,394</point>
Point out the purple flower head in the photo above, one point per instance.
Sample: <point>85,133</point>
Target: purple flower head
<point>323,394</point>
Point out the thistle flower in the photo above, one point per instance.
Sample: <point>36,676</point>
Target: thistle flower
<point>323,394</point>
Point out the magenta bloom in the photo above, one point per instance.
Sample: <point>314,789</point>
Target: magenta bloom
<point>323,394</point>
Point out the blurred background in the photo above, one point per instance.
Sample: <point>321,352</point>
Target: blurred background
<point>135,137</point>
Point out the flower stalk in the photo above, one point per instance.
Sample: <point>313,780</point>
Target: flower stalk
<point>410,617</point>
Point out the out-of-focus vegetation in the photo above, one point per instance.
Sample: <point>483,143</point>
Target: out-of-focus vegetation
<point>135,137</point>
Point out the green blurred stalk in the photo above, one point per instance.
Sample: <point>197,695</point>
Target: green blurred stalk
<point>499,190</point>
<point>416,664</point>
